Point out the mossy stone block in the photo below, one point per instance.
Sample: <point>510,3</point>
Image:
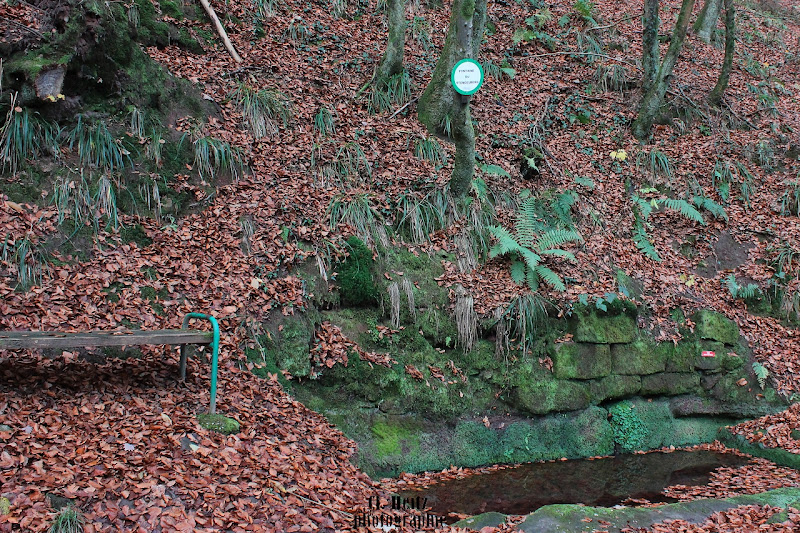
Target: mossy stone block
<point>715,326</point>
<point>681,357</point>
<point>640,424</point>
<point>696,430</point>
<point>481,521</point>
<point>639,358</point>
<point>548,396</point>
<point>573,360</point>
<point>614,386</point>
<point>605,329</point>
<point>709,364</point>
<point>670,383</point>
<point>219,423</point>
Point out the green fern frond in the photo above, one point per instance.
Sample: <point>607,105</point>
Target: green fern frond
<point>550,277</point>
<point>557,237</point>
<point>716,210</point>
<point>532,259</point>
<point>643,243</point>
<point>762,373</point>
<point>527,221</point>
<point>559,253</point>
<point>644,206</point>
<point>506,242</point>
<point>685,209</point>
<point>518,270</point>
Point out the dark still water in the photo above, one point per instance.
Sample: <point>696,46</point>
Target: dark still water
<point>601,482</point>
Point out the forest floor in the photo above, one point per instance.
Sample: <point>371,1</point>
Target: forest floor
<point>121,438</point>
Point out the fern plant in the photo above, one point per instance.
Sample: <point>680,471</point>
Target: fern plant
<point>762,374</point>
<point>747,293</point>
<point>642,208</point>
<point>530,241</point>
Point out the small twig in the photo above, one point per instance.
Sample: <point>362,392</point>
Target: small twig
<point>405,106</point>
<point>732,112</point>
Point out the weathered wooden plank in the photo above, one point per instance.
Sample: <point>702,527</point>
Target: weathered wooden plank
<point>56,339</point>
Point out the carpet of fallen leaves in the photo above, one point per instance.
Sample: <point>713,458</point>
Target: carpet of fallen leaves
<point>121,438</point>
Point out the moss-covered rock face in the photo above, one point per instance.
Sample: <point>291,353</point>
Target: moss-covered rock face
<point>670,383</point>
<point>289,341</point>
<point>604,329</point>
<point>544,396</point>
<point>714,326</point>
<point>613,387</point>
<point>580,361</point>
<point>355,275</point>
<point>640,357</point>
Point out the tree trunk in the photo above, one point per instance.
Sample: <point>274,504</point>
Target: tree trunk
<point>715,97</point>
<point>707,19</point>
<point>392,61</point>
<point>444,112</point>
<point>650,52</point>
<point>652,101</point>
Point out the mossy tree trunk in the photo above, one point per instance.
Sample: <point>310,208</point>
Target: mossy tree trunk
<point>445,112</point>
<point>392,61</point>
<point>707,19</point>
<point>715,97</point>
<point>651,103</point>
<point>650,52</point>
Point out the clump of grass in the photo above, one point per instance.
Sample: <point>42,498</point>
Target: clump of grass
<point>430,150</point>
<point>656,164</point>
<point>23,136</point>
<point>323,122</point>
<point>351,162</point>
<point>790,199</point>
<point>27,258</point>
<point>68,520</point>
<point>97,147</point>
<point>612,77</point>
<point>212,156</point>
<point>356,210</point>
<point>421,32</point>
<point>386,93</point>
<point>419,217</point>
<point>263,109</point>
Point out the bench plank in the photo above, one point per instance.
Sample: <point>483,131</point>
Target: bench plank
<point>57,339</point>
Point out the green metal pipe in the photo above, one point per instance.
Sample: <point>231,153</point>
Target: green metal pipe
<point>214,355</point>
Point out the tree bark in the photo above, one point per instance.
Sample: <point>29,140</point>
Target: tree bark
<point>707,19</point>
<point>650,52</point>
<point>441,109</point>
<point>392,61</point>
<point>715,97</point>
<point>652,101</point>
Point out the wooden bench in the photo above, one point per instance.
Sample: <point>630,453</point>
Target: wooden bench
<point>55,339</point>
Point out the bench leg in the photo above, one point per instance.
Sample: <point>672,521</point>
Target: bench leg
<point>183,362</point>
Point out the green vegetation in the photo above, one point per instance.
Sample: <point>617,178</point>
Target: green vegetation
<point>68,520</point>
<point>219,423</point>
<point>531,240</point>
<point>212,156</point>
<point>263,110</point>
<point>356,285</point>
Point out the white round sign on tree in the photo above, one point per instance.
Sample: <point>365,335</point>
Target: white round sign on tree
<point>467,77</point>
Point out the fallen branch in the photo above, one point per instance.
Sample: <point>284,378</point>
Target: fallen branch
<point>221,31</point>
<point>405,106</point>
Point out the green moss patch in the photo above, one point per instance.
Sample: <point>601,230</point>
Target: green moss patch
<point>715,326</point>
<point>580,360</point>
<point>219,423</point>
<point>355,275</point>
